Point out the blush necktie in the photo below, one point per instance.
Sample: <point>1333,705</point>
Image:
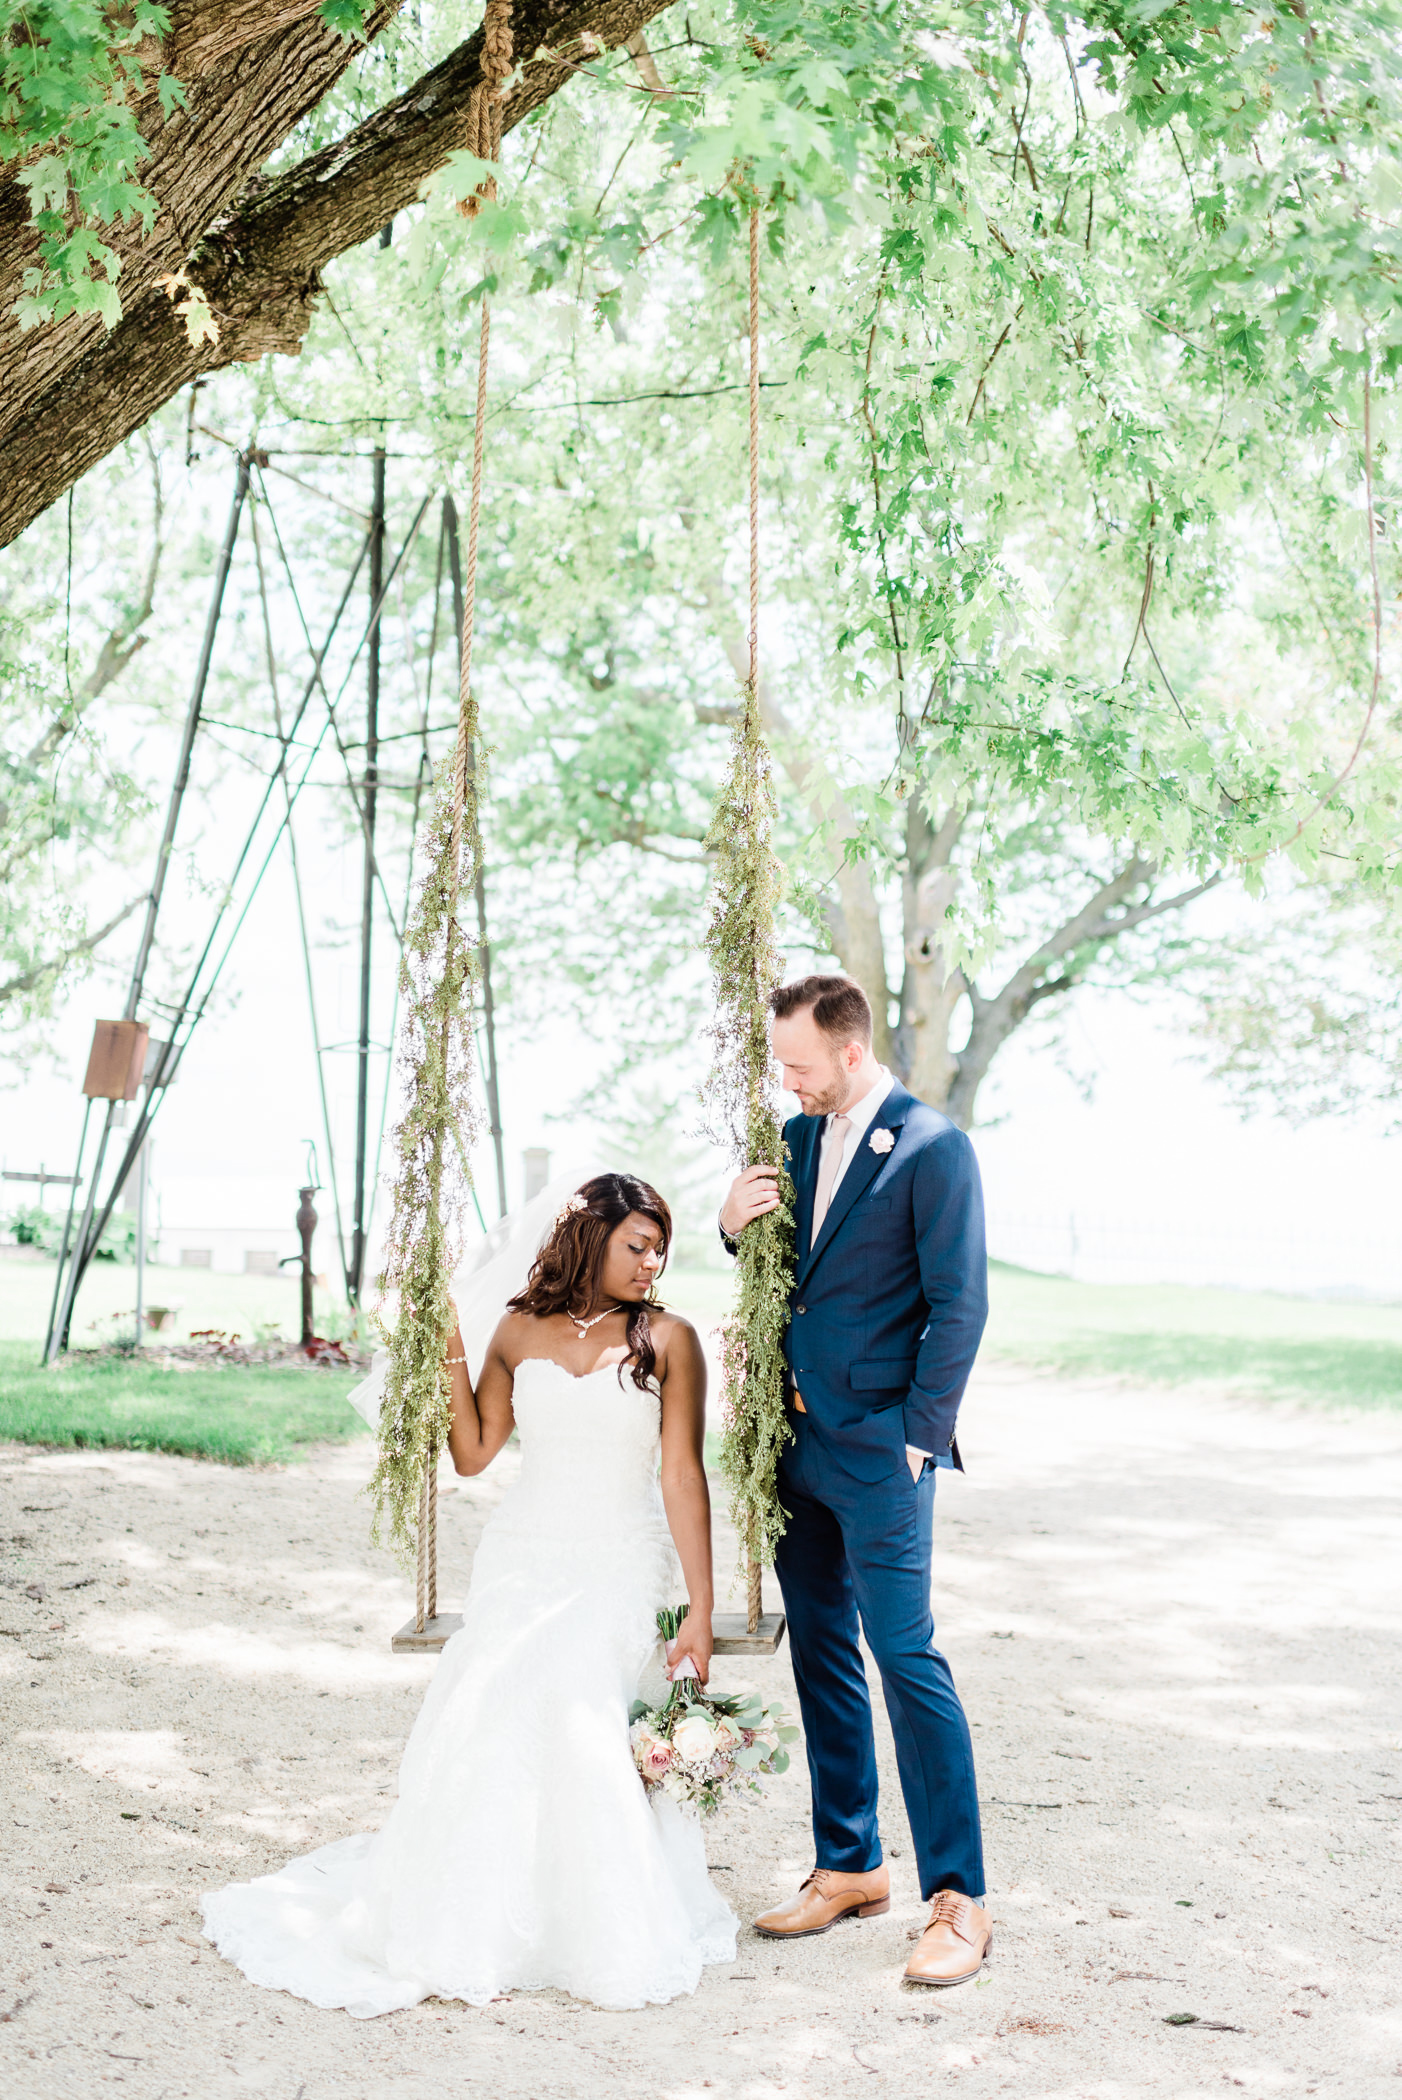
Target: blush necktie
<point>830,1158</point>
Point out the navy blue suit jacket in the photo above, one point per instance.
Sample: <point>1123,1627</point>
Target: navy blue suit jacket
<point>887,1309</point>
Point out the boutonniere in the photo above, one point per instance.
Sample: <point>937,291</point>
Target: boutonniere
<point>882,1140</point>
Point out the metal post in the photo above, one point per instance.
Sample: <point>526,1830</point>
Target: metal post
<point>63,1318</point>
<point>142,1171</point>
<point>68,1221</point>
<point>187,744</point>
<point>356,1279</point>
<point>450,526</point>
<point>306,1226</point>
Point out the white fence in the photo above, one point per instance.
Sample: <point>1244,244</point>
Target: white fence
<point>1309,1254</point>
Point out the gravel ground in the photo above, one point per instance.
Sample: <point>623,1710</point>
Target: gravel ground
<point>1174,1620</point>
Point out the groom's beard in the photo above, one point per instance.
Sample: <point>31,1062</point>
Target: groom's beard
<point>829,1098</point>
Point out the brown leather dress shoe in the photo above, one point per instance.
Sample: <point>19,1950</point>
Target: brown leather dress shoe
<point>825,1897</point>
<point>954,1945</point>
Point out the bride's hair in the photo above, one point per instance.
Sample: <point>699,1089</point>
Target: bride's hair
<point>565,1275</point>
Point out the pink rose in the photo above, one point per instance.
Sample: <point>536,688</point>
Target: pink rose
<point>651,1753</point>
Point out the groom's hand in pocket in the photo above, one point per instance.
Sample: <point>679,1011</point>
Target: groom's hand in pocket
<point>694,1639</point>
<point>751,1194</point>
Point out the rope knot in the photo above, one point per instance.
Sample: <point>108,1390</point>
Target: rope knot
<point>483,136</point>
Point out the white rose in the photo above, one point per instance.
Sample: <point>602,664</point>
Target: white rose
<point>694,1739</point>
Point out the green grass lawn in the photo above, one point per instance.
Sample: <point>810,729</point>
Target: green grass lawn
<point>243,1414</point>
<point>1321,1351</point>
<point>246,1305</point>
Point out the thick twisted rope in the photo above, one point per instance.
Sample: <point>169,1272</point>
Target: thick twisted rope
<point>426,1583</point>
<point>484,107</point>
<point>753,692</point>
<point>754,1573</point>
<point>484,140</point>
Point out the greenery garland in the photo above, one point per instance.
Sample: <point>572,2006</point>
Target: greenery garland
<point>438,980</point>
<point>739,1096</point>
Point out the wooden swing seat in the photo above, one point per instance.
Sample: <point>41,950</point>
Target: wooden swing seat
<point>730,1628</point>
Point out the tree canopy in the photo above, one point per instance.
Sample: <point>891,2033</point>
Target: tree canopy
<point>1081,335</point>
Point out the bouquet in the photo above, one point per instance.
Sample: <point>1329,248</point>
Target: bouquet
<point>700,1746</point>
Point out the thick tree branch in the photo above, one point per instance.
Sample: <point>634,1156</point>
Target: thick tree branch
<point>248,83</point>
<point>640,51</point>
<point>259,263</point>
<point>1099,920</point>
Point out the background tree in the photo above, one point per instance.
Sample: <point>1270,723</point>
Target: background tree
<point>1306,1021</point>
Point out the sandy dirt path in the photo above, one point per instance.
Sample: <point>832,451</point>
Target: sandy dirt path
<point>1174,1621</point>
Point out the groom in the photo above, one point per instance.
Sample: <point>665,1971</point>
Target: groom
<point>888,1304</point>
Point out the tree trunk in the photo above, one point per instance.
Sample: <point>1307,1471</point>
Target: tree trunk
<point>930,990</point>
<point>70,394</point>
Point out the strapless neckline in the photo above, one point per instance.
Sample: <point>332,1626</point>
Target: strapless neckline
<point>579,1377</point>
<point>624,1385</point>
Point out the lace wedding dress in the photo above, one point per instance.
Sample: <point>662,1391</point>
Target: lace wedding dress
<point>522,1851</point>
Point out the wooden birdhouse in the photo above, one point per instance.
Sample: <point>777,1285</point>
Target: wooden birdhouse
<point>116,1061</point>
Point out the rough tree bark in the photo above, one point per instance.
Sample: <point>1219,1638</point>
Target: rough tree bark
<point>70,393</point>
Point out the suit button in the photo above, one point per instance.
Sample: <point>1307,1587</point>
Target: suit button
<point>800,1308</point>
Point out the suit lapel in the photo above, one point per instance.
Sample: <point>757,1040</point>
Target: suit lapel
<point>858,1177</point>
<point>804,1152</point>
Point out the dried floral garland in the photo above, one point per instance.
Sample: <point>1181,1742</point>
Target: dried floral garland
<point>739,1092</point>
<point>438,980</point>
<point>739,1095</point>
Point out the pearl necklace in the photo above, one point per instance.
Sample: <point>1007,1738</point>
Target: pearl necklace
<point>585,1325</point>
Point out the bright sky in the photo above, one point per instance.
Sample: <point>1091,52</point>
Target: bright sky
<point>1157,1178</point>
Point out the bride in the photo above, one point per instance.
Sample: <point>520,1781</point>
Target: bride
<point>522,1852</point>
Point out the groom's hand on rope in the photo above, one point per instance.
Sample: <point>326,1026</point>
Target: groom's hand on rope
<point>751,1195</point>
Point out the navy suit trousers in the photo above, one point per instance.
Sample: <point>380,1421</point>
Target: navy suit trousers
<point>856,1554</point>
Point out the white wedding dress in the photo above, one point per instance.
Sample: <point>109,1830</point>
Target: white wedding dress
<point>522,1852</point>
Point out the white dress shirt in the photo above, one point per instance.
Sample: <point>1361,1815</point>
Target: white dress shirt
<point>860,1116</point>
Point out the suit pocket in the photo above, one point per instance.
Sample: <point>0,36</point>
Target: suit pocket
<point>889,1375</point>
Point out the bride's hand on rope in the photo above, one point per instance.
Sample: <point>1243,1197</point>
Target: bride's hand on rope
<point>751,1194</point>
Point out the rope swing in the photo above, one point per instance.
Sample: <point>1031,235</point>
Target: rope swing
<point>439,977</point>
<point>739,1091</point>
